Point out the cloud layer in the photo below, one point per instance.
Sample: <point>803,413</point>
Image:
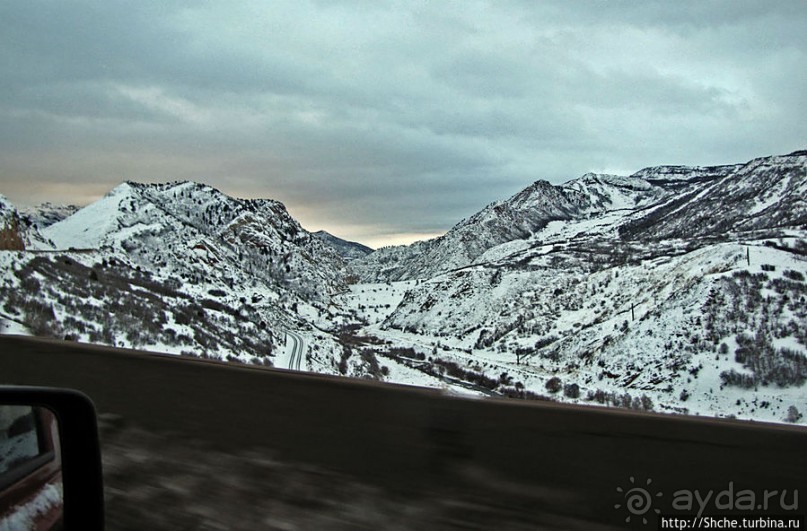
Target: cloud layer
<point>385,120</point>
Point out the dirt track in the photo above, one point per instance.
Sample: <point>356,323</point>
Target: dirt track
<point>538,464</point>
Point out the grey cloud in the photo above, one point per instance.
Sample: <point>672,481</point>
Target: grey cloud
<point>408,115</point>
<point>483,73</point>
<point>682,18</point>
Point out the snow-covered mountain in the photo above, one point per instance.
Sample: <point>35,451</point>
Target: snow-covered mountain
<point>655,320</point>
<point>766,193</point>
<point>19,229</point>
<point>346,249</point>
<point>177,267</point>
<point>522,217</point>
<point>677,289</point>
<point>680,289</point>
<point>518,218</point>
<point>47,214</point>
<point>654,203</point>
<point>678,175</point>
<point>178,226</point>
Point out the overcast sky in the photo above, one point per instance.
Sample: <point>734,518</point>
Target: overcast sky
<point>388,121</point>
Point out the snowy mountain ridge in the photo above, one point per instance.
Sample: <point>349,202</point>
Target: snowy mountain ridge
<point>47,214</point>
<point>673,289</point>
<point>684,296</point>
<point>185,222</point>
<point>20,229</point>
<point>659,202</point>
<point>346,249</point>
<point>177,267</point>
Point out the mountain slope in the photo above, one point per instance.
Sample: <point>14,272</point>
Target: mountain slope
<point>47,214</point>
<point>517,218</point>
<point>654,203</point>
<point>675,289</point>
<point>678,289</point>
<point>346,249</point>
<point>18,230</point>
<point>691,330</point>
<point>522,217</point>
<point>765,193</point>
<point>179,226</point>
<point>176,267</point>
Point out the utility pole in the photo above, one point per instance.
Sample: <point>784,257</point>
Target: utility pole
<point>748,255</point>
<point>632,315</point>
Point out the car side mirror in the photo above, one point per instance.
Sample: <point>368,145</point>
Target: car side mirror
<point>50,460</point>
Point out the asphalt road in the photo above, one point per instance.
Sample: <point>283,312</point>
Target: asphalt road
<point>296,358</point>
<point>543,465</point>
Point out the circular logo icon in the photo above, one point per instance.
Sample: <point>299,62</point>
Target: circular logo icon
<point>637,500</point>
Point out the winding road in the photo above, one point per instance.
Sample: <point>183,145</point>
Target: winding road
<point>296,358</point>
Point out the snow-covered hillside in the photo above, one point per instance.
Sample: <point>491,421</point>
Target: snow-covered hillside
<point>19,230</point>
<point>178,267</point>
<point>197,231</point>
<point>666,324</point>
<point>766,193</point>
<point>677,289</point>
<point>346,249</point>
<point>654,203</point>
<point>47,214</point>
<point>518,218</point>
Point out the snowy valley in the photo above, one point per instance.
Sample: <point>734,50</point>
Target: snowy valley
<point>675,289</point>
